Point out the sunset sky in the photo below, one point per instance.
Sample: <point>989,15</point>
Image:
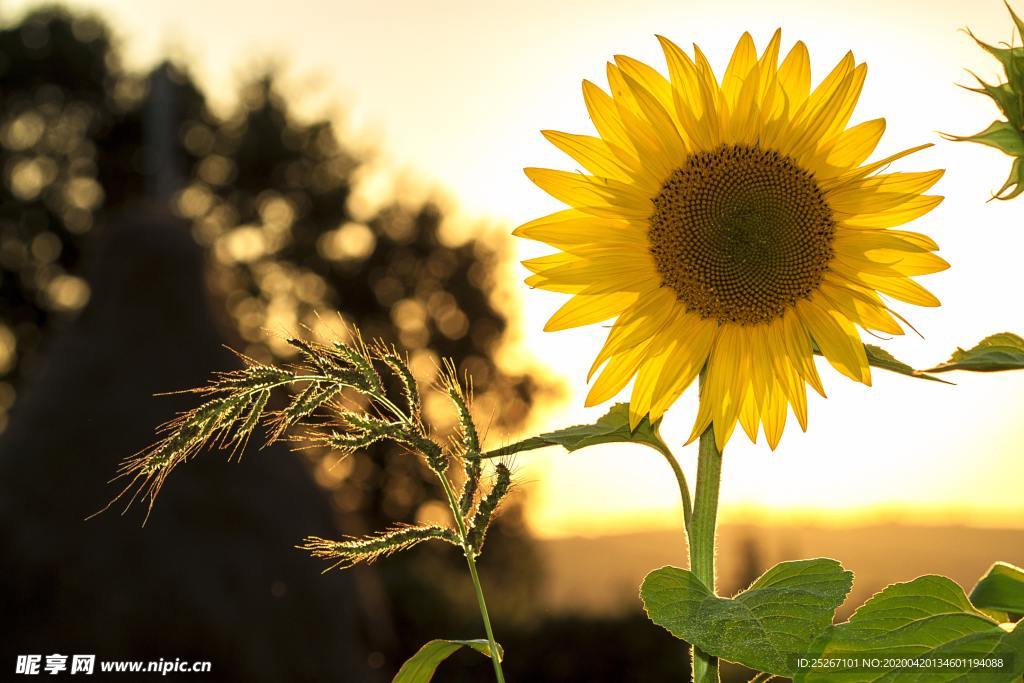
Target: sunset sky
<point>453,94</point>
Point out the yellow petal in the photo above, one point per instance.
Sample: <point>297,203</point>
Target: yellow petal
<point>695,339</point>
<point>626,272</point>
<point>922,242</point>
<point>855,145</point>
<point>881,192</point>
<point>541,282</point>
<point>743,59</point>
<point>828,87</point>
<point>795,75</point>
<point>909,210</point>
<point>684,79</point>
<point>605,116</point>
<point>727,384</point>
<point>693,101</point>
<point>648,78</point>
<point>616,374</point>
<point>714,107</point>
<point>573,228</point>
<point>770,57</point>
<point>812,126</point>
<point>837,339</point>
<point>860,241</point>
<point>912,263</point>
<point>861,308</point>
<point>850,96</point>
<point>597,196</point>
<point>654,158</point>
<point>595,154</point>
<point>798,344</point>
<point>787,374</point>
<point>774,415</point>
<point>585,309</point>
<point>750,416</point>
<point>641,322</point>
<point>647,378</point>
<point>901,288</point>
<point>873,167</point>
<point>670,144</point>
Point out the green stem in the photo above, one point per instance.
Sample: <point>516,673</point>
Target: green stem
<point>702,537</point>
<point>471,562</point>
<point>495,654</point>
<point>684,489</point>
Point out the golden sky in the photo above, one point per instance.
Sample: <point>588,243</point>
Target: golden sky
<point>454,92</point>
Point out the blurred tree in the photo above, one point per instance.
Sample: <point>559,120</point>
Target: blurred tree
<point>71,159</point>
<point>55,77</point>
<point>270,198</point>
<point>267,194</point>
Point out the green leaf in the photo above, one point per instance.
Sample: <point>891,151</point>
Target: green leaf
<point>1001,134</point>
<point>929,617</point>
<point>1002,589</point>
<point>880,358</point>
<point>1003,351</point>
<point>612,427</point>
<point>1014,184</point>
<point>1009,57</point>
<point>765,627</point>
<point>1007,98</point>
<point>421,666</point>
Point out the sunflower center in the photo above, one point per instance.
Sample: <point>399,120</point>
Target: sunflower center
<point>741,234</point>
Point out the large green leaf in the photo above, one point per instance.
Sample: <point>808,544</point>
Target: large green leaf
<point>612,427</point>
<point>1003,351</point>
<point>765,627</point>
<point>1002,588</point>
<point>928,618</point>
<point>421,666</point>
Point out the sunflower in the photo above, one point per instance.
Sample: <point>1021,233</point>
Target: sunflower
<point>732,228</point>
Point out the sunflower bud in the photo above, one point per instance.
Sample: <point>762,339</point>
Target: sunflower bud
<point>1005,135</point>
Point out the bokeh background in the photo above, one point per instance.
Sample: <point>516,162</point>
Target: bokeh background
<point>175,177</point>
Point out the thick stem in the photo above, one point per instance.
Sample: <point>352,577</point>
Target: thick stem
<point>702,537</point>
<point>471,562</point>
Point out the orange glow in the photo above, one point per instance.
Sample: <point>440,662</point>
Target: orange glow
<point>456,94</point>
